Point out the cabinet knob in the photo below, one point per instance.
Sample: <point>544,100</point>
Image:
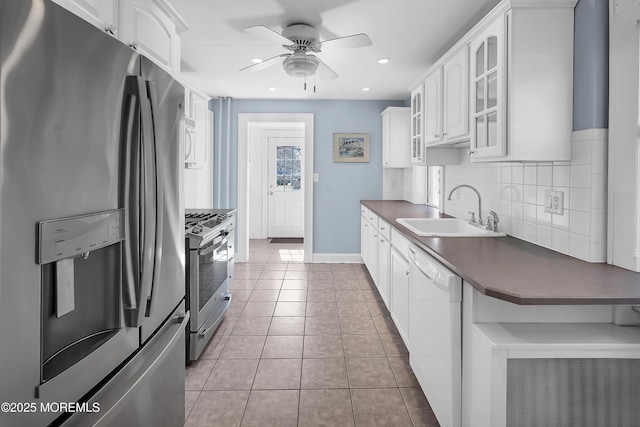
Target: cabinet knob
<point>436,135</point>
<point>406,273</point>
<point>134,45</point>
<point>470,152</point>
<point>111,29</point>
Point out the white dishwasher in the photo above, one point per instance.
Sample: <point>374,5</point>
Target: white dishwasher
<point>435,334</point>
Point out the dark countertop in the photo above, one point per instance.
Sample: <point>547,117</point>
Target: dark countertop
<point>513,270</point>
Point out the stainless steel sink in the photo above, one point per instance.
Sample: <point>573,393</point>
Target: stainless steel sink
<point>446,227</point>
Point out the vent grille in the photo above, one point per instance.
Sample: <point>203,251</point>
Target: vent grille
<point>573,392</point>
<point>302,43</point>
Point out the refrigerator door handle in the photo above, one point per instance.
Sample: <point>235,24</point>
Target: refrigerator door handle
<point>131,196</point>
<point>149,205</point>
<point>140,201</point>
<point>158,174</point>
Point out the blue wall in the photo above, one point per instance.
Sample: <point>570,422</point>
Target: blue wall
<point>341,186</point>
<point>591,65</point>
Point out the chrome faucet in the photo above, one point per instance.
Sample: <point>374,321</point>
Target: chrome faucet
<point>492,221</point>
<point>479,201</point>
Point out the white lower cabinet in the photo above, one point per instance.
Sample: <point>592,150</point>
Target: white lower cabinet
<point>384,257</point>
<point>364,239</point>
<point>372,252</point>
<point>400,293</point>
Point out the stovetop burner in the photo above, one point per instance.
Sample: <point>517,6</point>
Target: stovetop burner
<point>201,224</point>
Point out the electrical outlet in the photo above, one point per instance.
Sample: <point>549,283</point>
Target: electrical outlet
<point>554,202</point>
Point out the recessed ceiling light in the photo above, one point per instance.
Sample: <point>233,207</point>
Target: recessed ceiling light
<point>272,89</point>
<point>256,60</point>
<point>366,89</point>
<point>383,60</point>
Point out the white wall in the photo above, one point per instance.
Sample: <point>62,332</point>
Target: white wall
<point>515,191</point>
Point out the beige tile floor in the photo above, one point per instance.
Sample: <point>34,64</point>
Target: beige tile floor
<point>304,345</point>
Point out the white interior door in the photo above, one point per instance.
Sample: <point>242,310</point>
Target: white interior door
<point>285,187</point>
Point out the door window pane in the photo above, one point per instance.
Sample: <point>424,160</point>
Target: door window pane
<point>480,96</point>
<point>288,168</point>
<point>492,129</point>
<point>481,133</point>
<point>492,89</point>
<point>492,52</point>
<point>480,60</point>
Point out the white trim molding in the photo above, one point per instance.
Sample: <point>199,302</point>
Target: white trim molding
<point>350,258</point>
<point>242,226</point>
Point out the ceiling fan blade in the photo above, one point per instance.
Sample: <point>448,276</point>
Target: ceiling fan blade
<point>269,34</point>
<point>264,64</point>
<point>347,42</point>
<point>325,72</point>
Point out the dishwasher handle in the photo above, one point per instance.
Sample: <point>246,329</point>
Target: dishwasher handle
<point>436,274</point>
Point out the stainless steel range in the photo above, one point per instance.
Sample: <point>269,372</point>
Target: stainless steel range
<point>209,242</point>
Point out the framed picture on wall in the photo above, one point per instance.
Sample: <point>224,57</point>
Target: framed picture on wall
<point>351,147</point>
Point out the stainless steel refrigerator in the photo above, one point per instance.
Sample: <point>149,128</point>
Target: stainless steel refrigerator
<point>92,313</point>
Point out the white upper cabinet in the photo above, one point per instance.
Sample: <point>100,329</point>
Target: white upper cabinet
<point>446,101</point>
<point>455,80</point>
<point>151,27</point>
<point>100,13</point>
<point>487,92</point>
<point>522,83</point>
<point>505,89</point>
<point>433,107</point>
<point>147,28</point>
<point>417,142</point>
<point>396,137</point>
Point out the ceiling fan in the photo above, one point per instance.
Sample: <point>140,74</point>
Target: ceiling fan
<point>303,42</point>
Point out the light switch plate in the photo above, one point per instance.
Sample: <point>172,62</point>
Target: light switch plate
<point>554,202</point>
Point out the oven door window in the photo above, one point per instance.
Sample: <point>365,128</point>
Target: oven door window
<point>213,269</point>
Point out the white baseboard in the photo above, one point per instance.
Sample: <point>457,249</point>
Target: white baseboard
<point>337,258</point>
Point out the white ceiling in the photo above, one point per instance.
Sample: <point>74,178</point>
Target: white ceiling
<point>411,33</point>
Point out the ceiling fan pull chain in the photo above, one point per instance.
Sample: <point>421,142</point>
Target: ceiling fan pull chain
<point>314,82</point>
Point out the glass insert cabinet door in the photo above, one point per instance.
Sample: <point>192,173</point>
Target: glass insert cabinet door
<point>488,79</point>
<point>417,149</point>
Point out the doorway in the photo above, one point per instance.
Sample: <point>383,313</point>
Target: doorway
<point>276,180</point>
<point>249,126</point>
<point>285,192</point>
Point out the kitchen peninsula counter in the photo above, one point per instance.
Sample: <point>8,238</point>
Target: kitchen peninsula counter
<point>513,270</point>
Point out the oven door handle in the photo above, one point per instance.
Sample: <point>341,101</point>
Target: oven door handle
<point>207,250</point>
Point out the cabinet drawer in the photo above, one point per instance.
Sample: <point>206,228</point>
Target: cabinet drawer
<point>400,242</point>
<point>384,228</point>
<point>373,220</point>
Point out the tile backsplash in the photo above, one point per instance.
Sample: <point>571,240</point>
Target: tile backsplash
<point>516,192</point>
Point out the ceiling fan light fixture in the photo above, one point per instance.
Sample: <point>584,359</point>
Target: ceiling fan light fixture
<point>300,64</point>
<point>383,61</point>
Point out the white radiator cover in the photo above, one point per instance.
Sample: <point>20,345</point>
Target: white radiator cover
<point>573,392</point>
